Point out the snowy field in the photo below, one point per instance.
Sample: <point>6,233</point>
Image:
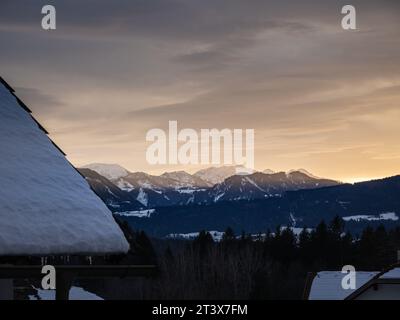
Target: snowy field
<point>138,214</point>
<point>216,235</point>
<point>383,216</point>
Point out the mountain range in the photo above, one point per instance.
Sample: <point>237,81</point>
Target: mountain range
<point>215,198</point>
<point>123,190</point>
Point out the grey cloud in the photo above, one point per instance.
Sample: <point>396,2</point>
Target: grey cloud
<point>39,100</point>
<point>114,69</point>
<point>205,20</point>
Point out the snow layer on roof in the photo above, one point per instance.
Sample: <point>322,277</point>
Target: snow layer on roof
<point>76,293</point>
<point>391,274</point>
<point>327,285</point>
<point>46,207</point>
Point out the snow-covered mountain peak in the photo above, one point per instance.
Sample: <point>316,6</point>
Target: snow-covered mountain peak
<point>110,171</point>
<point>177,175</point>
<point>184,179</point>
<point>216,175</point>
<point>268,171</point>
<point>304,171</point>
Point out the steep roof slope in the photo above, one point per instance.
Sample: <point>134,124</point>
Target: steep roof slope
<point>327,285</point>
<point>46,206</point>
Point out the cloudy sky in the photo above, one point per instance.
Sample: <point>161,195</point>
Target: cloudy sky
<point>318,97</point>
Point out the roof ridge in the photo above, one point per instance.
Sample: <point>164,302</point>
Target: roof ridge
<point>27,109</point>
<point>366,285</point>
<point>4,82</point>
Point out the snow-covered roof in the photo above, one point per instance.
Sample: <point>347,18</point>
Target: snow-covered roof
<point>327,285</point>
<point>391,274</point>
<point>46,206</point>
<point>76,293</point>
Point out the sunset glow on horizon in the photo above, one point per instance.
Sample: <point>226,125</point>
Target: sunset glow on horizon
<point>317,96</point>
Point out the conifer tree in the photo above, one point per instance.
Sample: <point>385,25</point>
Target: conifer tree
<point>229,235</point>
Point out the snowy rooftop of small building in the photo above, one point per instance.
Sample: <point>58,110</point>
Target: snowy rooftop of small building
<point>327,285</point>
<point>391,274</point>
<point>46,207</point>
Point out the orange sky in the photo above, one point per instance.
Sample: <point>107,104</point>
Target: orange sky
<point>318,97</point>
